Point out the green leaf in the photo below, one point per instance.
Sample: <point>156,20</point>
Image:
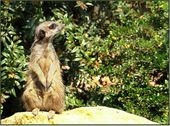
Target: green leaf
<point>5,54</point>
<point>77,59</point>
<point>13,92</point>
<point>90,4</point>
<point>75,50</point>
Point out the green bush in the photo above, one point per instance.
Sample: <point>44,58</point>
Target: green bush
<point>113,53</point>
<point>13,59</point>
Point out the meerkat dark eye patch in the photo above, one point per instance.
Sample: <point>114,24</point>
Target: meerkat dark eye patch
<point>41,34</point>
<point>53,26</point>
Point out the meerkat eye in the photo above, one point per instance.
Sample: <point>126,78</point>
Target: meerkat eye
<point>53,26</point>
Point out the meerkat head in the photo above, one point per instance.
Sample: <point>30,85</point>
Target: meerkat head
<point>47,30</point>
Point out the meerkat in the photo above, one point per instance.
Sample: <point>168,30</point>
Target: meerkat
<point>44,87</point>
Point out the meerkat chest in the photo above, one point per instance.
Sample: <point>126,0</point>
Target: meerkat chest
<point>45,61</point>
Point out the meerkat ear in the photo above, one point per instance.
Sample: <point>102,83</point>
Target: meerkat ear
<point>41,34</point>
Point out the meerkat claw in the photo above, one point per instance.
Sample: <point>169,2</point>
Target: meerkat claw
<point>35,111</point>
<point>51,114</point>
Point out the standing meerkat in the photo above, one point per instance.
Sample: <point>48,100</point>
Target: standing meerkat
<point>44,88</point>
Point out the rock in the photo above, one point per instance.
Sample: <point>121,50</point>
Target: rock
<point>82,115</point>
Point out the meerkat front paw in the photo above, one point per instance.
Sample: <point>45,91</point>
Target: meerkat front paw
<point>51,114</point>
<point>35,111</point>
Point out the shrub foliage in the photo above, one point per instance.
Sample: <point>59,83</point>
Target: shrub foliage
<point>112,53</point>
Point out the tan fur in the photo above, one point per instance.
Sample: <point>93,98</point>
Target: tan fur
<point>44,88</point>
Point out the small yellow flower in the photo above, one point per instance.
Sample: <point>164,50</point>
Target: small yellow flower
<point>11,75</point>
<point>114,38</point>
<point>127,45</point>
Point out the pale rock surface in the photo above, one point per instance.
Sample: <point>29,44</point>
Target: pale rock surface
<point>82,115</point>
